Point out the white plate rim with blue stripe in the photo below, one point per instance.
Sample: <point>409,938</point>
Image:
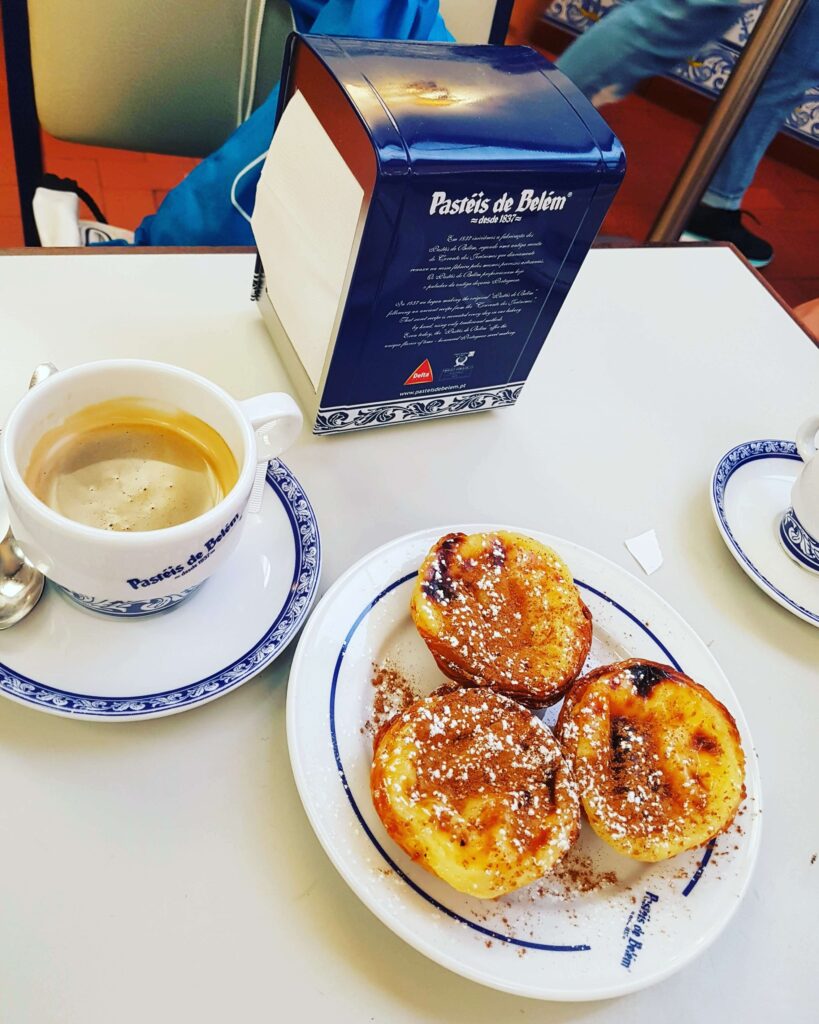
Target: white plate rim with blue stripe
<point>570,947</point>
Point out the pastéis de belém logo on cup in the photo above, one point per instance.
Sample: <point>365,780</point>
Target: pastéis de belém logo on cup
<point>193,561</point>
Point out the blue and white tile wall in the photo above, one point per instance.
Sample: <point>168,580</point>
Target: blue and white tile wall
<point>706,71</point>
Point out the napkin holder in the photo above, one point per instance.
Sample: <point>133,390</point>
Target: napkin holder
<point>422,213</point>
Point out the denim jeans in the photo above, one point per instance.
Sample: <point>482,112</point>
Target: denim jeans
<point>648,37</point>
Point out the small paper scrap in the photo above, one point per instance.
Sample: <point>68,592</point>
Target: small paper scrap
<point>646,549</point>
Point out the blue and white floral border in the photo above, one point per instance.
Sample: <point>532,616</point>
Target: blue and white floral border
<point>738,456</point>
<point>336,419</point>
<point>300,597</point>
<point>128,609</point>
<point>798,542</point>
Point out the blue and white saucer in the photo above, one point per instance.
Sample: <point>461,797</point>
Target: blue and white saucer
<point>69,661</point>
<point>750,490</point>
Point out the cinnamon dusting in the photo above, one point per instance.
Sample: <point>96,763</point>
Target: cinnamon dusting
<point>392,695</point>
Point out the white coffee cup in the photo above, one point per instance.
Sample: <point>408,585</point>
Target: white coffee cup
<point>799,526</point>
<point>137,573</point>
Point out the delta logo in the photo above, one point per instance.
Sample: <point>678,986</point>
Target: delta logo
<point>420,375</point>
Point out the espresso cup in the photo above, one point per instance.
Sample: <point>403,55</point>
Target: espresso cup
<point>138,573</point>
<point>799,526</point>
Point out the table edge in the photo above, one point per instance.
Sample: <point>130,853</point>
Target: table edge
<point>182,250</point>
<point>125,250</point>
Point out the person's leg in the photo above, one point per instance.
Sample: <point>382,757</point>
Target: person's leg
<point>795,69</point>
<point>639,39</point>
<point>718,217</point>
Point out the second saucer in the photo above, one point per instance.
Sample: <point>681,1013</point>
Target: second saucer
<point>750,489</point>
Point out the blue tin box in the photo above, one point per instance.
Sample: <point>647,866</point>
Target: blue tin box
<point>422,213</point>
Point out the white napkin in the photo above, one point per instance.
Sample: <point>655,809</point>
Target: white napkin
<point>646,550</point>
<point>308,204</point>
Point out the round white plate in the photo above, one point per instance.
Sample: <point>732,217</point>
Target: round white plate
<point>70,661</point>
<point>750,489</point>
<point>555,944</point>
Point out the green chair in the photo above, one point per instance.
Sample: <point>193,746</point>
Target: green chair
<point>147,75</point>
<point>153,75</point>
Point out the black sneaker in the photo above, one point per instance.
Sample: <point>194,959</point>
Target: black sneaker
<point>711,224</point>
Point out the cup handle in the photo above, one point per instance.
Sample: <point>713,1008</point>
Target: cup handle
<point>806,438</point>
<point>277,421</point>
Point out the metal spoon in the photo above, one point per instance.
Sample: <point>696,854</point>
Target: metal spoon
<point>21,585</point>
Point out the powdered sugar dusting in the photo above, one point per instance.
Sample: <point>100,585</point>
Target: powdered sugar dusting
<point>393,693</point>
<point>638,770</point>
<point>501,610</point>
<point>487,777</point>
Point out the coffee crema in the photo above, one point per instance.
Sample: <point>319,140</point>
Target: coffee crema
<point>125,465</point>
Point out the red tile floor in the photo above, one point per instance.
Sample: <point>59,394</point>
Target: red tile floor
<point>128,186</point>
<point>785,200</point>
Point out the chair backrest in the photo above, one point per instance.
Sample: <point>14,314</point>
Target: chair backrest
<point>164,76</point>
<point>470,21</point>
<point>152,75</point>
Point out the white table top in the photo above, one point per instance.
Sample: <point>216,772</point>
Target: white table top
<point>165,870</point>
